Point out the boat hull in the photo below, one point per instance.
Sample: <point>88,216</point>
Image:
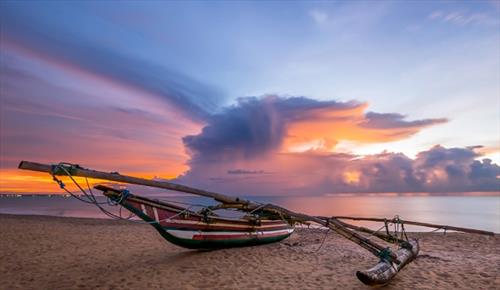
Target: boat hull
<point>195,231</point>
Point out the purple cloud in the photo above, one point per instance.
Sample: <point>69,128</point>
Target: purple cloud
<point>395,121</point>
<point>451,170</point>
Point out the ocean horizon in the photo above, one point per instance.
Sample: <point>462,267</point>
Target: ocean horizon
<point>472,211</point>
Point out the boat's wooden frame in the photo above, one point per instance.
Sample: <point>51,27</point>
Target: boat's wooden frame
<point>195,230</point>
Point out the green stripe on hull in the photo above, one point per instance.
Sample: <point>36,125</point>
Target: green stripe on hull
<point>217,244</point>
<point>203,244</point>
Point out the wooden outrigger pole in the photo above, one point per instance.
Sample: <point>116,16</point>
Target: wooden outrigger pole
<point>407,222</point>
<point>391,262</point>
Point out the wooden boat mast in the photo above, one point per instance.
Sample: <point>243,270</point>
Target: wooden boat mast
<point>76,170</point>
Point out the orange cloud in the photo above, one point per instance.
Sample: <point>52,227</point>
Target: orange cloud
<point>323,128</point>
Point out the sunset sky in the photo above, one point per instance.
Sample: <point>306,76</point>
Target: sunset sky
<point>263,98</point>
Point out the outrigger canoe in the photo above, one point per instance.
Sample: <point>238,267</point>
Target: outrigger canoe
<point>195,230</point>
<point>260,224</point>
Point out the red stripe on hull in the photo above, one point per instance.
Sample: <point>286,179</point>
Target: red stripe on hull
<point>242,236</point>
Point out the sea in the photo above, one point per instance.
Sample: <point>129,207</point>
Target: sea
<point>477,211</point>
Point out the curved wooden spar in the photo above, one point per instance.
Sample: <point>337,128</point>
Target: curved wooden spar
<point>76,170</point>
<point>429,225</point>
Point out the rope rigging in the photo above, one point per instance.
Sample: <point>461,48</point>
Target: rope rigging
<point>90,198</point>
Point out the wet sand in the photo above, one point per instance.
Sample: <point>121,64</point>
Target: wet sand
<point>40,252</point>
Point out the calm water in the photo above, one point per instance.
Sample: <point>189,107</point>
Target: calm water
<point>481,212</point>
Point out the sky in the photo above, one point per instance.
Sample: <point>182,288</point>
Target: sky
<point>255,98</point>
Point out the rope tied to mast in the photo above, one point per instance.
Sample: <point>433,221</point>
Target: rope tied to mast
<point>90,198</point>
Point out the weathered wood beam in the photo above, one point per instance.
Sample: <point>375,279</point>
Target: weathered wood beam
<point>76,170</point>
<point>332,224</point>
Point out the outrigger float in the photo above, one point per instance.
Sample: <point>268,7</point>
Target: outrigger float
<point>260,224</point>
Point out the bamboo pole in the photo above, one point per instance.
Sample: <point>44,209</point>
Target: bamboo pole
<point>401,221</point>
<point>334,225</point>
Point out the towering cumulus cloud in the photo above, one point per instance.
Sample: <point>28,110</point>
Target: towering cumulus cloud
<point>288,145</point>
<point>254,127</point>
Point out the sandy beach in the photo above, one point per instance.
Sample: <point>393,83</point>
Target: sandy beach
<point>41,252</point>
